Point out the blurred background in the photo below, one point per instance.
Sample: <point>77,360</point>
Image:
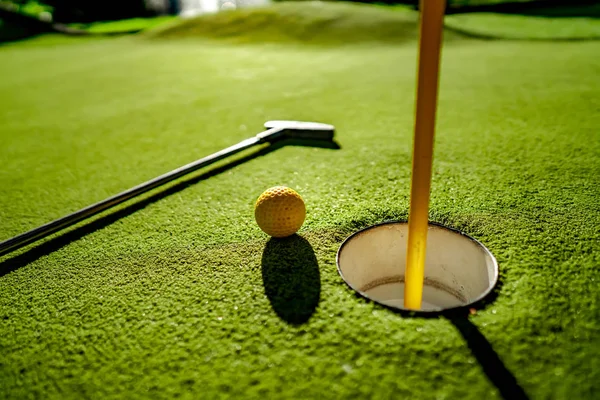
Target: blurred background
<point>24,18</point>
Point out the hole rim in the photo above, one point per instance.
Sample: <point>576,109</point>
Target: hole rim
<point>424,313</point>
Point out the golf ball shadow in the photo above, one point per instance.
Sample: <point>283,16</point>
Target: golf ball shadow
<point>291,278</point>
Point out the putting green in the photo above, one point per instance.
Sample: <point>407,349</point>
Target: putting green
<point>180,293</point>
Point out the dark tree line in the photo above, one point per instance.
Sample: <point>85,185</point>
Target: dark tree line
<point>84,11</point>
<point>96,10</point>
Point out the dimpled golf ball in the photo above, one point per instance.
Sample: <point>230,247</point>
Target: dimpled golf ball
<point>279,211</point>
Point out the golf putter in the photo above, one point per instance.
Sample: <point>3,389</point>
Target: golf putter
<point>275,131</point>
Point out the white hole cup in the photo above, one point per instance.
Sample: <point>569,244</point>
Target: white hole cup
<point>459,270</point>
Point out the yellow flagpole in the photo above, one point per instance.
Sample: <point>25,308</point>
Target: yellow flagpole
<point>431,26</point>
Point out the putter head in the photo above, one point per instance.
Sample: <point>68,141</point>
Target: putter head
<point>303,130</point>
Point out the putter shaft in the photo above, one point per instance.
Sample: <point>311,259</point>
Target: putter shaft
<point>51,227</point>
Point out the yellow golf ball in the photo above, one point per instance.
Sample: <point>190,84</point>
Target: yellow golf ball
<point>279,211</point>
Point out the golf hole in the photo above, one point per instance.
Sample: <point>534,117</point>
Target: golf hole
<point>459,270</point>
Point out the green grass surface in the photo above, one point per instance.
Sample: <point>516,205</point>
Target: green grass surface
<point>525,27</point>
<point>126,25</point>
<point>182,295</point>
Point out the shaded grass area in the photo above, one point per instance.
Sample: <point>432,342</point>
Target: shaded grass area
<point>184,296</point>
<point>522,27</point>
<point>12,31</point>
<point>32,20</point>
<point>539,8</point>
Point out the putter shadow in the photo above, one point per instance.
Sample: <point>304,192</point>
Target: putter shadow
<point>13,263</point>
<point>291,278</point>
<point>490,362</point>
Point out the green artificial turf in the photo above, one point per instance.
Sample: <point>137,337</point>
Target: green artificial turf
<point>179,294</point>
<point>525,27</point>
<point>126,25</point>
